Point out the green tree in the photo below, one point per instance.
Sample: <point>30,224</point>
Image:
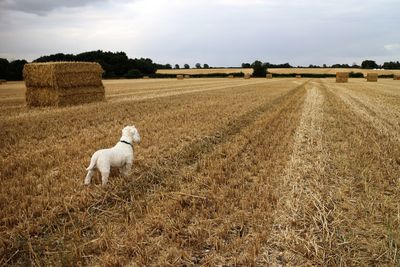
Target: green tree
<point>198,66</point>
<point>369,64</point>
<point>205,66</point>
<point>177,66</point>
<point>133,74</point>
<point>259,69</point>
<point>186,66</point>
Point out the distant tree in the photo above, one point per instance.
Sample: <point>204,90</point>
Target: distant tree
<point>205,66</point>
<point>246,65</point>
<point>369,64</point>
<point>133,74</point>
<point>186,66</point>
<point>324,66</point>
<point>391,65</point>
<point>177,66</point>
<point>355,65</point>
<point>3,68</point>
<point>198,66</point>
<point>259,69</point>
<point>168,66</point>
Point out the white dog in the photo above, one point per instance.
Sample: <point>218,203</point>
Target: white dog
<point>120,156</point>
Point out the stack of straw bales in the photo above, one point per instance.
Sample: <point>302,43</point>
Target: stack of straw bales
<point>187,76</point>
<point>372,77</point>
<point>230,76</point>
<point>298,76</point>
<point>396,77</point>
<point>146,77</point>
<point>342,77</point>
<point>269,76</point>
<point>2,81</point>
<point>63,83</point>
<point>179,77</point>
<point>247,75</point>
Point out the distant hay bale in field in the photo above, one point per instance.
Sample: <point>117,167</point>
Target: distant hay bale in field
<point>63,83</point>
<point>372,77</point>
<point>187,76</point>
<point>298,76</point>
<point>247,75</point>
<point>269,76</point>
<point>179,77</point>
<point>342,77</point>
<point>396,77</point>
<point>230,76</point>
<point>146,77</point>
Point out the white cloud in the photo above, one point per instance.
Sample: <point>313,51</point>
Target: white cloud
<point>392,47</point>
<point>219,32</point>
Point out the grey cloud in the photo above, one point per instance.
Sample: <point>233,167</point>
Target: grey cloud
<point>44,6</point>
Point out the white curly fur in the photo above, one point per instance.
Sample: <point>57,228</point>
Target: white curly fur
<point>120,156</point>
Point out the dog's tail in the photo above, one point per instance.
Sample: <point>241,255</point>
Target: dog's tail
<point>93,161</point>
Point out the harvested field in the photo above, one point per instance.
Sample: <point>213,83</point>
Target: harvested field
<point>281,172</point>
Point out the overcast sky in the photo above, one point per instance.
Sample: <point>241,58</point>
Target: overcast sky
<point>218,32</point>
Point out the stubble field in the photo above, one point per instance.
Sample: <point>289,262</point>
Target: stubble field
<point>229,172</point>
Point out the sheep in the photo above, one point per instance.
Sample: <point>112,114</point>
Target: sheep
<point>120,156</point>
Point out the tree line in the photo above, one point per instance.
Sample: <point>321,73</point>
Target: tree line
<point>119,65</point>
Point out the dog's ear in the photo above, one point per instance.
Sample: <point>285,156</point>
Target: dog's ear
<point>135,134</point>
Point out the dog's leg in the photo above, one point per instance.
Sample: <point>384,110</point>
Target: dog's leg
<point>88,177</point>
<point>104,177</point>
<point>126,170</point>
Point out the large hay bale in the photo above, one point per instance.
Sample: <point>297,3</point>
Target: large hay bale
<point>146,77</point>
<point>179,77</point>
<point>187,76</point>
<point>230,76</point>
<point>269,76</point>
<point>396,77</point>
<point>2,81</point>
<point>372,77</point>
<point>63,83</point>
<point>298,76</point>
<point>342,77</point>
<point>247,75</point>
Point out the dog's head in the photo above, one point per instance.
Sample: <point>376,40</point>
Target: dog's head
<point>133,132</point>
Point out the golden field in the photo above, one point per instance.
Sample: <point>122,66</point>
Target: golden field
<point>232,172</point>
<point>278,71</point>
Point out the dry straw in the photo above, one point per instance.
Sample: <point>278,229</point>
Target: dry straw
<point>342,77</point>
<point>63,83</point>
<point>179,77</point>
<point>396,77</point>
<point>269,76</point>
<point>372,77</point>
<point>247,75</point>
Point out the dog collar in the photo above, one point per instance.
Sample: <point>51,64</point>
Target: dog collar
<point>122,141</point>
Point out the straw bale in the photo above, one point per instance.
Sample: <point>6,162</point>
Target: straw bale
<point>342,77</point>
<point>396,77</point>
<point>2,81</point>
<point>247,75</point>
<point>230,76</point>
<point>187,76</point>
<point>63,83</point>
<point>269,76</point>
<point>146,77</point>
<point>179,77</point>
<point>372,77</point>
<point>298,76</point>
